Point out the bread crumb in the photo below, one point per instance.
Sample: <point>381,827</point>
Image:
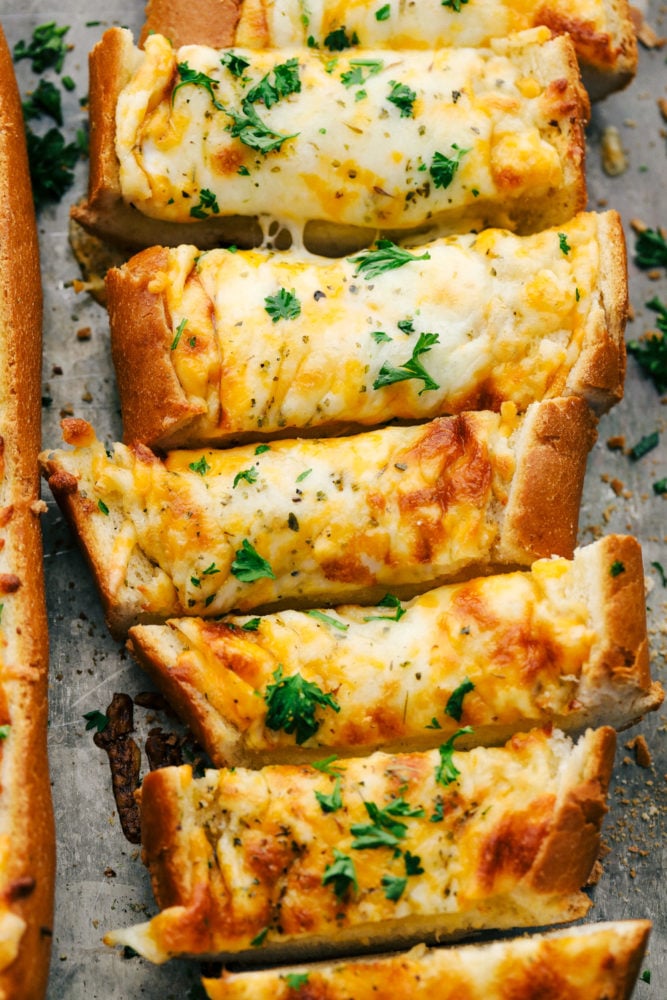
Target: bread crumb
<point>645,33</point>
<point>642,753</point>
<point>596,874</point>
<point>662,107</point>
<point>638,225</point>
<point>616,442</point>
<point>84,333</point>
<point>614,160</point>
<point>617,486</point>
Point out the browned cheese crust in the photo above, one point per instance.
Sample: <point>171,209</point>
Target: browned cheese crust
<point>519,862</point>
<point>26,823</point>
<point>591,962</point>
<point>608,58</point>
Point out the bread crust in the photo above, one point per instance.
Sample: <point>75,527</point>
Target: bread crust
<point>109,213</point>
<point>589,962</point>
<point>511,870</point>
<point>607,52</point>
<point>27,841</point>
<point>483,466</point>
<point>211,672</point>
<point>163,402</point>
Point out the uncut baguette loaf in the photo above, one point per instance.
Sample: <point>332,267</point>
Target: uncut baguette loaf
<point>291,862</point>
<point>564,643</point>
<point>492,137</point>
<point>306,522</point>
<point>27,843</point>
<point>590,962</point>
<point>601,30</point>
<point>204,355</point>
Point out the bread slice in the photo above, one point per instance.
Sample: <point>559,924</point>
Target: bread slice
<point>492,137</point>
<point>289,862</point>
<point>564,643</point>
<point>27,842</point>
<point>602,32</point>
<point>589,962</point>
<point>317,521</point>
<point>516,318</point>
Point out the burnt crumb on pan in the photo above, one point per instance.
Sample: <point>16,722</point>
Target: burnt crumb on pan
<point>155,701</point>
<point>163,749</point>
<point>125,762</point>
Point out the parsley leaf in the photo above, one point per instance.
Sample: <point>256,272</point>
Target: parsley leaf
<point>433,724</point>
<point>385,830</point>
<point>96,720</point>
<point>249,566</point>
<point>328,620</point>
<point>286,81</point>
<point>413,864</point>
<point>178,334</point>
<point>45,100</point>
<point>659,569</point>
<point>660,486</point>
<point>454,4</point>
<point>393,886</point>
<point>47,48</point>
<point>252,625</point>
<point>651,249</point>
<point>385,257</point>
<point>282,305</point>
<point>368,836</point>
<point>237,65</point>
<point>249,475</point>
<point>454,706</point>
<point>616,568</point>
<point>388,601</point>
<point>384,13</point>
<point>338,40</point>
<point>201,467</point>
<point>252,131</point>
<point>443,168</point>
<point>446,772</point>
<point>388,375</point>
<point>355,77</point>
<point>208,204</point>
<point>102,506</point>
<point>563,244</point>
<point>52,162</point>
<point>380,337</point>
<point>332,802</point>
<point>438,813</point>
<point>259,939</point>
<point>189,76</point>
<point>406,326</point>
<point>403,97</point>
<point>325,765</point>
<point>651,352</point>
<point>341,872</point>
<point>261,448</point>
<point>295,980</point>
<point>291,703</point>
<point>644,445</point>
<point>5,731</point>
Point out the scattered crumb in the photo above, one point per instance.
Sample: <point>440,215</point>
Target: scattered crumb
<point>84,333</point>
<point>638,225</point>
<point>597,871</point>
<point>645,33</point>
<point>617,486</point>
<point>616,442</point>
<point>614,160</point>
<point>642,753</point>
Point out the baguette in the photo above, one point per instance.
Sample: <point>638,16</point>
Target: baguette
<point>518,318</point>
<point>601,30</point>
<point>590,962</point>
<point>565,643</point>
<point>322,520</point>
<point>505,148</point>
<point>27,843</point>
<point>283,864</point>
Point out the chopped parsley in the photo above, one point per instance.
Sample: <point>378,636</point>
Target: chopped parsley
<point>412,369</point>
<point>252,131</point>
<point>438,814</point>
<point>384,830</point>
<point>660,571</point>
<point>338,40</point>
<point>201,466</point>
<point>413,864</point>
<point>355,76</point>
<point>102,506</point>
<point>303,475</point>
<point>52,163</point>
<point>237,65</point>
<point>210,570</point>
<point>394,886</point>
<point>388,601</point>
<point>563,244</point>
<point>333,801</point>
<point>207,205</point>
<point>616,568</point>
<point>249,475</point>
<point>406,326</point>
<point>45,100</point>
<point>178,334</point>
<point>380,337</point>
<point>384,13</point>
<point>326,765</point>
<point>5,731</point>
<point>328,620</point>
<point>443,168</point>
<point>282,305</point>
<point>454,706</point>
<point>96,720</point>
<point>341,874</point>
<point>660,486</point>
<point>47,48</point>
<point>291,704</point>
<point>251,625</point>
<point>403,97</point>
<point>645,444</point>
<point>189,76</point>
<point>446,772</point>
<point>454,4</point>
<point>295,980</point>
<point>286,81</point>
<point>433,724</point>
<point>651,249</point>
<point>259,939</point>
<point>385,257</point>
<point>646,976</point>
<point>651,352</point>
<point>261,448</point>
<point>249,566</point>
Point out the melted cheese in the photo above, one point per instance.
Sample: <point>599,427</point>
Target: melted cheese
<point>257,845</point>
<point>354,157</point>
<point>511,315</point>
<point>411,24</point>
<point>397,506</point>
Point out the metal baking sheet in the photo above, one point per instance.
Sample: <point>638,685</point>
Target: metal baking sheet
<point>101,882</point>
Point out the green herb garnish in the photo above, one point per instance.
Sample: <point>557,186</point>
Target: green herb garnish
<point>189,76</point>
<point>380,337</point>
<point>46,50</point>
<point>259,939</point>
<point>388,375</point>
<point>446,772</point>
<point>563,244</point>
<point>651,352</point>
<point>403,97</point>
<point>332,802</point>
<point>237,65</point>
<point>394,886</point>
<point>338,40</point>
<point>102,506</point>
<point>96,720</point>
<point>388,601</point>
<point>384,13</point>
<point>660,486</point>
<point>249,475</point>
<point>385,830</point>
<point>616,568</point>
<point>325,765</point>
<point>644,445</point>
<point>178,334</point>
<point>659,569</point>
<point>5,731</point>
<point>433,724</point>
<point>443,168</point>
<point>201,467</point>
<point>303,475</point>
<point>251,625</point>
<point>207,205</point>
<point>295,980</point>
<point>249,566</point>
<point>285,81</point>
<point>52,162</point>
<point>328,620</point>
<point>291,703</point>
<point>454,706</point>
<point>282,305</point>
<point>454,4</point>
<point>261,448</point>
<point>385,257</point>
<point>341,873</point>
<point>651,249</point>
<point>45,100</point>
<point>253,132</point>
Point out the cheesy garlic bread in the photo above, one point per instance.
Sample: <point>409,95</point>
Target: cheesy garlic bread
<point>590,962</point>
<point>324,520</point>
<point>564,643</point>
<point>218,346</point>
<point>27,841</point>
<point>275,864</point>
<point>601,30</point>
<point>199,145</point>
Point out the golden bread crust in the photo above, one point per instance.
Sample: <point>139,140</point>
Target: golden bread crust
<point>27,842</point>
